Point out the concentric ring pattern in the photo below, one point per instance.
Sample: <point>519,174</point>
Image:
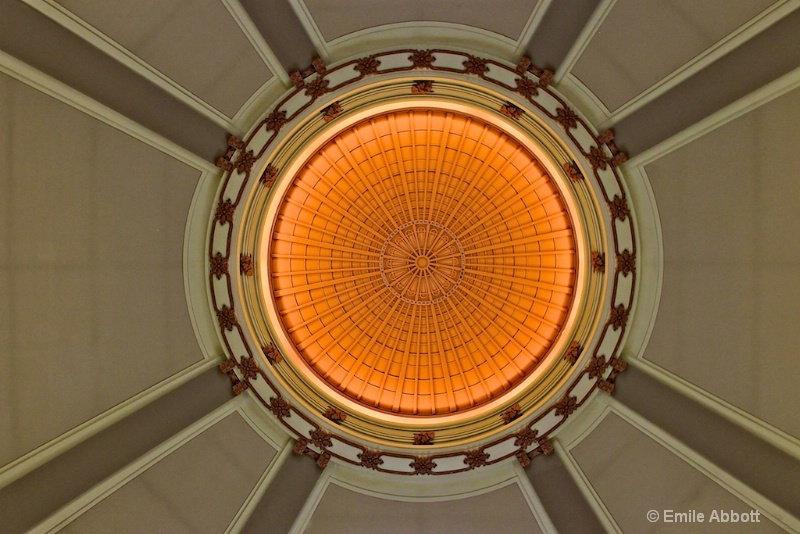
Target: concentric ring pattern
<point>422,262</point>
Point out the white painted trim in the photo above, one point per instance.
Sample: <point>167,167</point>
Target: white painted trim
<point>60,444</point>
<point>254,498</point>
<point>95,37</point>
<point>304,516</point>
<point>756,99</point>
<point>740,35</point>
<point>79,506</point>
<point>531,26</point>
<point>584,38</point>
<point>420,33</point>
<point>243,20</point>
<point>740,490</point>
<point>537,508</point>
<point>195,269</point>
<point>254,107</point>
<point>649,261</point>
<point>312,30</point>
<point>28,75</point>
<point>771,434</point>
<point>587,490</point>
<point>585,100</point>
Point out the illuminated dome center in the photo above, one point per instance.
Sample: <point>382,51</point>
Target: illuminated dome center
<point>422,262</point>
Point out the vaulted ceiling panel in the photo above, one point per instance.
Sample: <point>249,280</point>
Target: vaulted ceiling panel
<point>180,493</point>
<point>338,18</point>
<point>346,511</point>
<point>639,474</point>
<point>95,309</point>
<point>197,44</point>
<point>729,304</point>
<point>640,43</point>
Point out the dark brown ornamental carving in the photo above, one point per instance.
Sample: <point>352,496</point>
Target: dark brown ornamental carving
<point>424,438</point>
<point>276,120</point>
<point>598,158</point>
<point>319,66</point>
<point>269,176</point>
<point>567,118</point>
<point>324,458</point>
<point>573,171</point>
<point>476,65</point>
<point>511,413</point>
<point>619,208</point>
<point>546,77</point>
<point>218,265</point>
<point>370,459</point>
<point>546,446</point>
<point>598,262</point>
<point>246,266</point>
<point>573,351</point>
<point>239,388</point>
<point>619,317</point>
<point>423,466</point>
<point>422,87</point>
<point>607,386</point>
<point>524,458</point>
<point>234,144</point>
<point>597,366</point>
<point>245,162</point>
<point>321,439</point>
<point>279,407</point>
<point>248,368</point>
<point>317,88</point>
<point>224,213</point>
<point>335,414</point>
<point>331,112</point>
<point>511,111</point>
<point>525,437</point>
<point>227,317</point>
<point>476,458</point>
<point>527,87</point>
<point>524,64</point>
<point>422,59</point>
<point>300,447</point>
<point>272,353</point>
<point>566,405</point>
<point>367,65</point>
<point>297,79</point>
<point>626,262</point>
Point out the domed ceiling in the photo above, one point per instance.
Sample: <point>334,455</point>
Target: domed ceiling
<point>313,266</point>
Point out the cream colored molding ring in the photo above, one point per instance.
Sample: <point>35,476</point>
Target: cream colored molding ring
<point>263,358</point>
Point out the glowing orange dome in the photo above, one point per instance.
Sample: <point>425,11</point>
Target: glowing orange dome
<point>422,262</point>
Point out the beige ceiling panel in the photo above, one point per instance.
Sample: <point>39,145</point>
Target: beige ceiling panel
<point>343,511</point>
<point>197,488</point>
<point>91,277</point>
<point>731,292</point>
<point>197,44</point>
<point>336,18</point>
<point>641,42</point>
<point>637,475</point>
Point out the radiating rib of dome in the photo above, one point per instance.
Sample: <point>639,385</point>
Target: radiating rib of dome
<point>368,274</point>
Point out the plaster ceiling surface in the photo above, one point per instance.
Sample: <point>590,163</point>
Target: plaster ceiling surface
<point>527,267</point>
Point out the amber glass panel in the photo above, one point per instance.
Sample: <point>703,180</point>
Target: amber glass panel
<point>422,262</point>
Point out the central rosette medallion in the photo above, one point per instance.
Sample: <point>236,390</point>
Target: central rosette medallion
<point>422,262</point>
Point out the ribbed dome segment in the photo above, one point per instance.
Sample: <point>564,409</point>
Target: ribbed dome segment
<point>422,262</point>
